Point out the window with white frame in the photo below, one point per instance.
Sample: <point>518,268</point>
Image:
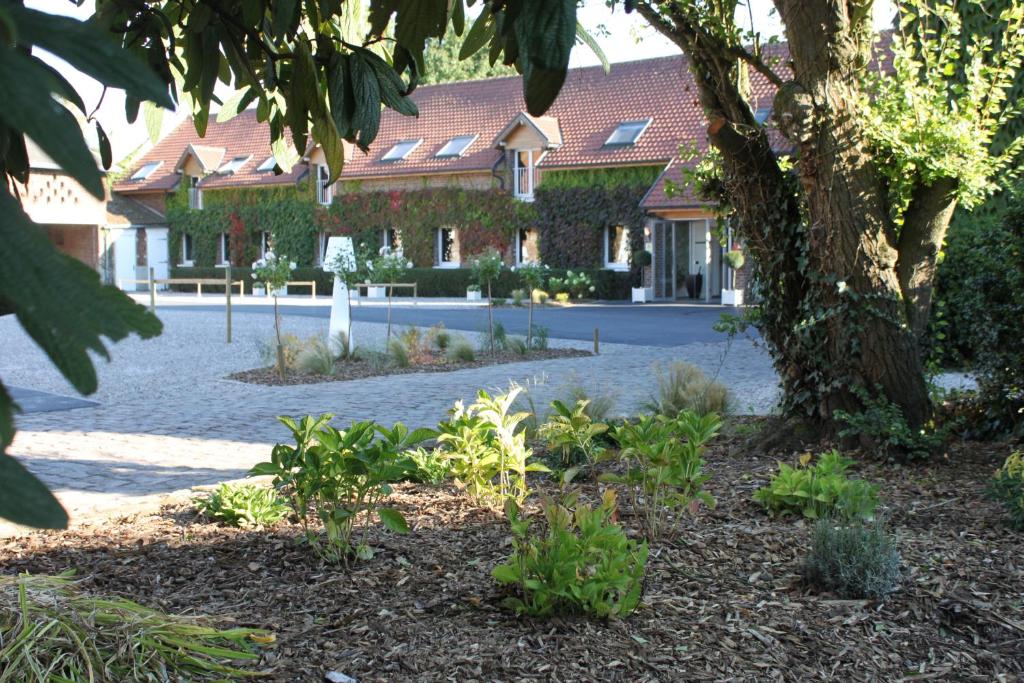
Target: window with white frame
<point>324,188</point>
<point>146,170</point>
<point>456,147</point>
<point>187,254</point>
<point>267,165</point>
<point>447,248</point>
<point>523,162</point>
<point>195,195</point>
<point>390,238</point>
<point>264,243</point>
<point>527,241</point>
<point>401,150</point>
<point>616,247</point>
<point>224,247</point>
<point>627,133</point>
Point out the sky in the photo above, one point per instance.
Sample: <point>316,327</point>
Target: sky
<point>623,37</point>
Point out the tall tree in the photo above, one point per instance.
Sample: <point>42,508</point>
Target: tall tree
<point>442,63</point>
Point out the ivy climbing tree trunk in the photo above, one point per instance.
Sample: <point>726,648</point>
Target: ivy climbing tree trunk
<point>845,293</point>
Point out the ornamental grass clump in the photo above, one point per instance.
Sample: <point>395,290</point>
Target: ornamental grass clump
<point>243,505</point>
<point>854,562</point>
<point>316,357</point>
<point>461,351</point>
<point>51,632</point>
<point>577,560</point>
<point>1007,488</point>
<point>684,387</point>
<point>821,490</point>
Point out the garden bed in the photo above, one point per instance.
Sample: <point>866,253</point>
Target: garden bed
<point>722,600</point>
<point>350,369</point>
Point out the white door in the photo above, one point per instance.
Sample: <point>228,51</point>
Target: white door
<point>157,254</point>
<point>123,250</point>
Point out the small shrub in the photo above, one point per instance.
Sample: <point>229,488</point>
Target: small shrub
<point>684,387</point>
<point>518,297</point>
<point>430,466</point>
<point>572,433</point>
<point>540,338</point>
<point>854,562</point>
<point>882,425</point>
<point>376,359</point>
<point>51,631</point>
<point>243,505</point>
<point>562,297</point>
<point>1007,488</point>
<point>819,490</point>
<point>540,296</point>
<point>517,345</point>
<point>664,462</point>
<point>500,337</point>
<point>462,351</point>
<point>343,476</point>
<point>316,358</point>
<point>579,561</point>
<point>415,343</point>
<point>291,346</point>
<point>497,301</point>
<point>599,406</point>
<point>440,337</point>
<point>575,284</point>
<point>398,355</point>
<point>486,449</point>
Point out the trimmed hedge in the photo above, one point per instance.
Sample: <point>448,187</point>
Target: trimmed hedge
<point>433,282</point>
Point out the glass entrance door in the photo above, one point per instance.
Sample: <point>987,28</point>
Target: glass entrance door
<point>663,263</point>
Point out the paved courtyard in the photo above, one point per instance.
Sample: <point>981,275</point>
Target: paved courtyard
<point>166,419</point>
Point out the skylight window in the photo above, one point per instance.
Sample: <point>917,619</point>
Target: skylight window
<point>628,132</point>
<point>146,170</point>
<point>267,165</point>
<point>457,146</point>
<point>401,150</point>
<point>233,166</point>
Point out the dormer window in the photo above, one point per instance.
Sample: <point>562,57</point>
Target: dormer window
<point>401,150</point>
<point>627,133</point>
<point>523,165</point>
<point>456,147</point>
<point>146,170</point>
<point>195,195</point>
<point>233,166</point>
<point>324,187</point>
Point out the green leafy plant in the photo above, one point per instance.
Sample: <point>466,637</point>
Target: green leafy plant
<point>1007,488</point>
<point>51,631</point>
<point>562,297</point>
<point>599,404</point>
<point>486,448</point>
<point>579,561</point>
<point>684,387</point>
<point>440,337</point>
<point>539,341</point>
<point>664,467</point>
<point>486,268</point>
<point>576,284</point>
<point>431,467</point>
<point>518,297</point>
<point>243,505</point>
<point>573,433</point>
<point>854,562</point>
<point>881,424</point>
<point>820,490</point>
<point>342,476</point>
<point>540,297</point>
<point>735,258</point>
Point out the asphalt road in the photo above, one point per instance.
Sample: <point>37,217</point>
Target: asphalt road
<point>648,324</point>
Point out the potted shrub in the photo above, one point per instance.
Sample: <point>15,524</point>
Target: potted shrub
<point>642,261</point>
<point>733,297</point>
<point>473,293</point>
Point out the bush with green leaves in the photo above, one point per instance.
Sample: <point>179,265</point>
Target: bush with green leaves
<point>343,476</point>
<point>578,561</point>
<point>52,631</point>
<point>486,448</point>
<point>685,387</point>
<point>576,284</point>
<point>821,490</point>
<point>431,466</point>
<point>1007,488</point>
<point>462,351</point>
<point>539,340</point>
<point>882,425</point>
<point>574,434</point>
<point>855,562</point>
<point>440,337</point>
<point>664,467</point>
<point>243,505</point>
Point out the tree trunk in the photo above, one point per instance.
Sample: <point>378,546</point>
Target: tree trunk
<point>280,347</point>
<point>529,322</point>
<point>389,316</point>
<point>490,317</point>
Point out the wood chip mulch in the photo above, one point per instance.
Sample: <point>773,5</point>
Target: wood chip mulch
<point>722,601</point>
<point>432,362</point>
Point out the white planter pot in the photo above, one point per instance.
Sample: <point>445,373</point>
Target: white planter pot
<point>376,292</point>
<point>732,297</point>
<point>258,291</point>
<point>473,295</point>
<point>642,295</point>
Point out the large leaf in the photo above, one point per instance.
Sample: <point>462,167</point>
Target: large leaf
<point>60,301</point>
<point>545,33</point>
<point>23,498</point>
<point>90,50</point>
<point>394,520</point>
<point>25,90</point>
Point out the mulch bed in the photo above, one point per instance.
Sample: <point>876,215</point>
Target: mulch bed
<point>722,601</point>
<point>347,370</point>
